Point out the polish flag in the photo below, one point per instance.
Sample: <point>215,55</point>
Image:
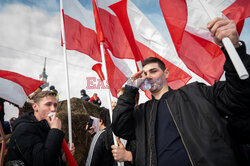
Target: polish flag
<point>187,24</point>
<point>129,36</point>
<point>16,88</point>
<point>80,35</point>
<point>79,27</point>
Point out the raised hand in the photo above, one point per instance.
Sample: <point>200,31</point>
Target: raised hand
<point>220,28</point>
<point>136,80</point>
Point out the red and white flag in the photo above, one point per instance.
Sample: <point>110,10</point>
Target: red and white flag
<point>130,36</point>
<point>16,87</point>
<point>187,24</point>
<point>80,35</point>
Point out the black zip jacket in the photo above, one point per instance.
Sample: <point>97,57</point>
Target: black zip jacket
<point>199,113</point>
<point>100,152</point>
<point>35,143</point>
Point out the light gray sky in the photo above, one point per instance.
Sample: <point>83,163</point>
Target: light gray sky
<point>30,31</point>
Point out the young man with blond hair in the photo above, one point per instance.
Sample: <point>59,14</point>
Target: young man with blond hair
<point>37,137</point>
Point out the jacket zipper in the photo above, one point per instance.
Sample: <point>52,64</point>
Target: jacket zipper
<point>180,134</point>
<point>150,149</point>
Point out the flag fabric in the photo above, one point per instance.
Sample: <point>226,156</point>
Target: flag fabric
<point>187,24</point>
<point>122,43</point>
<point>16,88</point>
<point>71,160</point>
<point>80,35</point>
<point>79,29</point>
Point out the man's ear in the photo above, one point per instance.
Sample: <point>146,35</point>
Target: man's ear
<point>166,73</point>
<point>35,106</point>
<point>101,121</point>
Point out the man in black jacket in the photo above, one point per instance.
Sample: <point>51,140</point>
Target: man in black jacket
<point>100,149</point>
<point>37,138</point>
<point>186,126</point>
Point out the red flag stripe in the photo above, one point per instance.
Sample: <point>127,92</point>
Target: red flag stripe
<point>117,45</point>
<point>120,9</point>
<point>238,11</point>
<point>116,78</point>
<point>16,87</point>
<point>81,38</point>
<point>84,39</point>
<point>28,84</point>
<point>195,48</point>
<point>97,23</point>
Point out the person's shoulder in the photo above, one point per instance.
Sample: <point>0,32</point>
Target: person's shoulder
<point>191,86</point>
<point>101,133</point>
<point>99,137</point>
<point>26,122</point>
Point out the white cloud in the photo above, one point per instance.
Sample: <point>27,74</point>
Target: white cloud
<point>27,35</point>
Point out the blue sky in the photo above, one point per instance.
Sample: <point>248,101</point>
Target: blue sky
<point>30,31</point>
<point>150,8</point>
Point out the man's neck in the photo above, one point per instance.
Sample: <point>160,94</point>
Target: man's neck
<point>102,127</point>
<point>159,94</point>
<point>37,117</point>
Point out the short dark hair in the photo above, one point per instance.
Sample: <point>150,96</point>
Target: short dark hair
<point>104,116</point>
<point>43,94</point>
<point>154,60</point>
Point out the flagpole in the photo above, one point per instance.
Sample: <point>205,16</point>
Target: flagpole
<point>238,65</point>
<point>67,76</point>
<point>106,78</point>
<point>104,69</point>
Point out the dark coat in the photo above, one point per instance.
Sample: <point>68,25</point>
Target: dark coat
<point>100,150</point>
<point>199,112</point>
<point>38,144</point>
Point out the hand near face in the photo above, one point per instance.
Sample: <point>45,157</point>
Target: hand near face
<point>54,122</point>
<point>136,80</point>
<point>90,130</point>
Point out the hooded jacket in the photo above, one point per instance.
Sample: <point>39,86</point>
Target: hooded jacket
<point>34,143</point>
<point>200,113</point>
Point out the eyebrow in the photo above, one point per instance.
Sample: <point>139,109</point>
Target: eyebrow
<point>150,70</point>
<point>153,69</point>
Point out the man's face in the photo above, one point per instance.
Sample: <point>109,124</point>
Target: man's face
<point>155,76</point>
<point>45,106</point>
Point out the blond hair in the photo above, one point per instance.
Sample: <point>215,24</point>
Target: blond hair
<point>42,94</point>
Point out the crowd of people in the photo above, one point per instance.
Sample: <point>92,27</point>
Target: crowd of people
<point>196,125</point>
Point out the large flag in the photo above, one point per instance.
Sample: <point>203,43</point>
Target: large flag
<point>81,36</point>
<point>79,29</point>
<point>16,87</point>
<point>187,23</point>
<point>130,36</point>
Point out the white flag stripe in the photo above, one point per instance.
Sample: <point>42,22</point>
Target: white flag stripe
<point>197,19</point>
<point>127,66</point>
<point>104,4</point>
<point>220,4</point>
<point>12,92</point>
<point>75,10</point>
<point>146,33</point>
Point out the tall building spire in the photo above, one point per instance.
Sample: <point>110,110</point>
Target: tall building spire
<point>44,76</point>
